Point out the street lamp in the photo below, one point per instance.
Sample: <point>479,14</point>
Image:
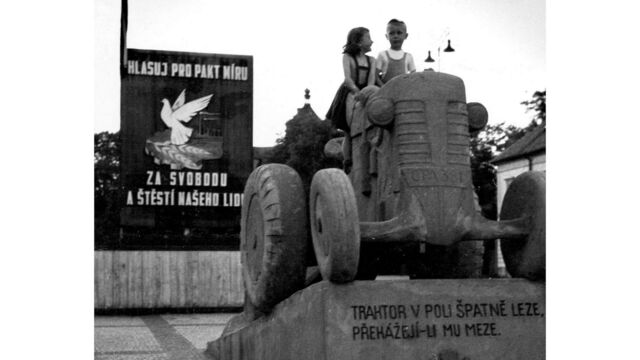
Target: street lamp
<point>429,59</point>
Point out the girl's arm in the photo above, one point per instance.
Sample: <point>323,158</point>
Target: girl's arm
<point>372,71</point>
<point>346,67</point>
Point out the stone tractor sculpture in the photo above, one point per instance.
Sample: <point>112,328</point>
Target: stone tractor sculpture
<point>409,188</point>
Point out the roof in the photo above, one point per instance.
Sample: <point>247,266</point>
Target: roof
<point>532,142</point>
<point>306,113</point>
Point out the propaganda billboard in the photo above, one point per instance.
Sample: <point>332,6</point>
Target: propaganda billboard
<point>186,130</point>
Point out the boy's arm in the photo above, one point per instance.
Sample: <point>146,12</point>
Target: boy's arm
<point>348,81</point>
<point>379,67</point>
<point>379,81</point>
<point>411,66</point>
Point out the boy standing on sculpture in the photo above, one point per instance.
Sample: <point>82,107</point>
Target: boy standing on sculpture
<point>394,61</point>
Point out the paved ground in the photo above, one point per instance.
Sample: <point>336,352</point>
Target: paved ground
<point>156,337</point>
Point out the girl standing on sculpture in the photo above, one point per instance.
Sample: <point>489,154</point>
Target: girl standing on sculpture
<point>359,72</point>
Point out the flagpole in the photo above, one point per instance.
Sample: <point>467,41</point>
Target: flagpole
<point>124,19</point>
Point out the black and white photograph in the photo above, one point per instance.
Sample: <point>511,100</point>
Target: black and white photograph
<point>319,180</point>
<point>278,181</point>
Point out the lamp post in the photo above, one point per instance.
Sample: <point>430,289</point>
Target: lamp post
<point>429,59</point>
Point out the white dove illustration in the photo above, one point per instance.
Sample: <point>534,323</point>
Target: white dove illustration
<point>173,115</point>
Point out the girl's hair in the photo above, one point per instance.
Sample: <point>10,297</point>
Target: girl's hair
<point>352,47</point>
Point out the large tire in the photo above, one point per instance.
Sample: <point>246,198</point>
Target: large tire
<point>526,197</point>
<point>273,235</point>
<point>335,228</point>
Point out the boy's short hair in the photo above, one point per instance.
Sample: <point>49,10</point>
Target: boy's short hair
<point>395,21</point>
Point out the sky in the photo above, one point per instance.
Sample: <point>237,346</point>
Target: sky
<point>499,48</point>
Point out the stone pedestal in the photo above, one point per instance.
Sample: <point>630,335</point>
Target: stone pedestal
<point>470,319</point>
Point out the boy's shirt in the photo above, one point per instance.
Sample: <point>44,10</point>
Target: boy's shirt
<point>382,61</point>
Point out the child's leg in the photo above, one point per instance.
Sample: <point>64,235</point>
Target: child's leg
<point>346,144</point>
<point>346,153</point>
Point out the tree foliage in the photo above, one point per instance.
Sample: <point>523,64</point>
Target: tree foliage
<point>106,185</point>
<point>537,104</point>
<point>485,145</point>
<point>106,161</point>
<point>491,141</point>
<point>302,147</point>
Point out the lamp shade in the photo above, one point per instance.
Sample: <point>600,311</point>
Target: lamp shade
<point>429,58</point>
<point>448,48</point>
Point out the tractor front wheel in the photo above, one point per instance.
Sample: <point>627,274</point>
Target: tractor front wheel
<point>335,229</point>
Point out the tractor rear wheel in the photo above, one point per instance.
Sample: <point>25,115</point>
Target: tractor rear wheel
<point>273,235</point>
<point>525,197</point>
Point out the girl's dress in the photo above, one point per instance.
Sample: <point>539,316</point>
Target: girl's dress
<point>338,109</point>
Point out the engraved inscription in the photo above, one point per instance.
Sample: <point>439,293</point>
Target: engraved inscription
<point>441,320</point>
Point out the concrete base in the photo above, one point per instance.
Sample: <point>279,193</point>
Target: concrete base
<point>469,319</point>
